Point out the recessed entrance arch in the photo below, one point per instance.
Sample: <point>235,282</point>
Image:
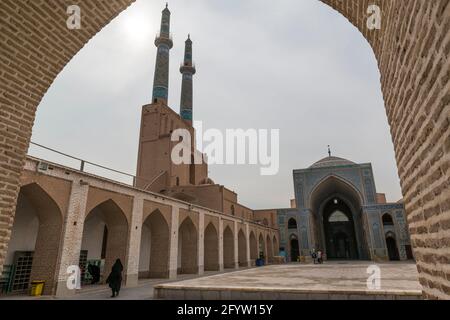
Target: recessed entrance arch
<point>105,239</point>
<point>338,228</point>
<point>155,246</point>
<point>391,244</point>
<point>228,248</point>
<point>294,248</point>
<point>34,246</point>
<point>211,248</point>
<point>262,247</point>
<point>187,247</point>
<point>340,239</point>
<point>242,247</point>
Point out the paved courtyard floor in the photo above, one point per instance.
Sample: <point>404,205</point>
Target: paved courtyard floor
<point>143,291</point>
<point>340,280</point>
<point>332,280</point>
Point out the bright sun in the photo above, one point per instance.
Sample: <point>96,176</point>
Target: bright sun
<point>138,27</point>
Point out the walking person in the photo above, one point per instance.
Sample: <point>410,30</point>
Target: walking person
<point>115,278</point>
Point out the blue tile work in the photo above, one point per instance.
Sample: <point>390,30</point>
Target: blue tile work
<point>369,186</point>
<point>187,70</point>
<point>283,217</point>
<point>164,43</point>
<point>361,178</point>
<point>400,229</point>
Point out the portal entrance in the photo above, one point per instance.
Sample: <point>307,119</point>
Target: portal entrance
<point>337,220</point>
<point>339,230</point>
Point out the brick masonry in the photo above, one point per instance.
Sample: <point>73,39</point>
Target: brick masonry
<point>412,50</point>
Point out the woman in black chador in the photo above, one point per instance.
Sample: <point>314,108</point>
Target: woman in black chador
<point>115,278</point>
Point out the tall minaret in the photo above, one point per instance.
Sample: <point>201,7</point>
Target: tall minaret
<point>187,69</point>
<point>164,43</point>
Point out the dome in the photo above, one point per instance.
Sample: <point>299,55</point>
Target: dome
<point>207,181</point>
<point>331,162</point>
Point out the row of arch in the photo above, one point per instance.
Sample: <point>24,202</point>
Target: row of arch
<point>155,246</point>
<point>38,232</point>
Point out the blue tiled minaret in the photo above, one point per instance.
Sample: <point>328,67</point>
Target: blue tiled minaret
<point>164,43</point>
<point>187,69</point>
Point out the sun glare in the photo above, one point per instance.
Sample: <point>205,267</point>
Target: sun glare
<point>138,27</point>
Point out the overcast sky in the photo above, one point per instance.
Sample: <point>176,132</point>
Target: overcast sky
<point>297,66</point>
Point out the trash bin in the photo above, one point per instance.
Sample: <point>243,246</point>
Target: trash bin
<point>37,287</point>
<point>259,262</point>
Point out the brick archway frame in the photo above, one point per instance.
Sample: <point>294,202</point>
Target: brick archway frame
<point>412,50</point>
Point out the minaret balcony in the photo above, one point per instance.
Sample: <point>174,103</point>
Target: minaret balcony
<point>164,38</point>
<point>187,67</point>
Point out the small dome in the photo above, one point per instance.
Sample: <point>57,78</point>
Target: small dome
<point>331,162</point>
<point>207,181</point>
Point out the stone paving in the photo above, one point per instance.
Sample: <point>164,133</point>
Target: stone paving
<point>332,278</point>
<point>143,291</point>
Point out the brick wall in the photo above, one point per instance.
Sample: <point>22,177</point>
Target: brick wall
<point>412,49</point>
<point>35,44</point>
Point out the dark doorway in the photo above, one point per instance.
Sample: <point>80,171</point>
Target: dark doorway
<point>294,249</point>
<point>292,224</point>
<point>392,249</point>
<point>387,220</point>
<point>341,245</point>
<point>340,237</point>
<point>409,253</point>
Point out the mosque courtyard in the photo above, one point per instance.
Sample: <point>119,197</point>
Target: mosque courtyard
<point>331,280</point>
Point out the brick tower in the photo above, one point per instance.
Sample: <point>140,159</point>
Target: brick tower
<point>155,169</point>
<point>187,69</point>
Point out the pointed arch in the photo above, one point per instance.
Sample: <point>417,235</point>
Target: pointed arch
<point>228,248</point>
<point>276,248</point>
<point>392,247</point>
<point>105,237</point>
<point>155,247</point>
<point>211,248</point>
<point>294,250</point>
<point>242,249</point>
<point>262,247</point>
<point>187,247</point>
<point>329,184</point>
<point>35,238</point>
<point>332,193</point>
<point>387,219</point>
<point>292,223</point>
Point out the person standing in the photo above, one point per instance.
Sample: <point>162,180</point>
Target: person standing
<point>314,255</point>
<point>319,257</point>
<point>115,278</point>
